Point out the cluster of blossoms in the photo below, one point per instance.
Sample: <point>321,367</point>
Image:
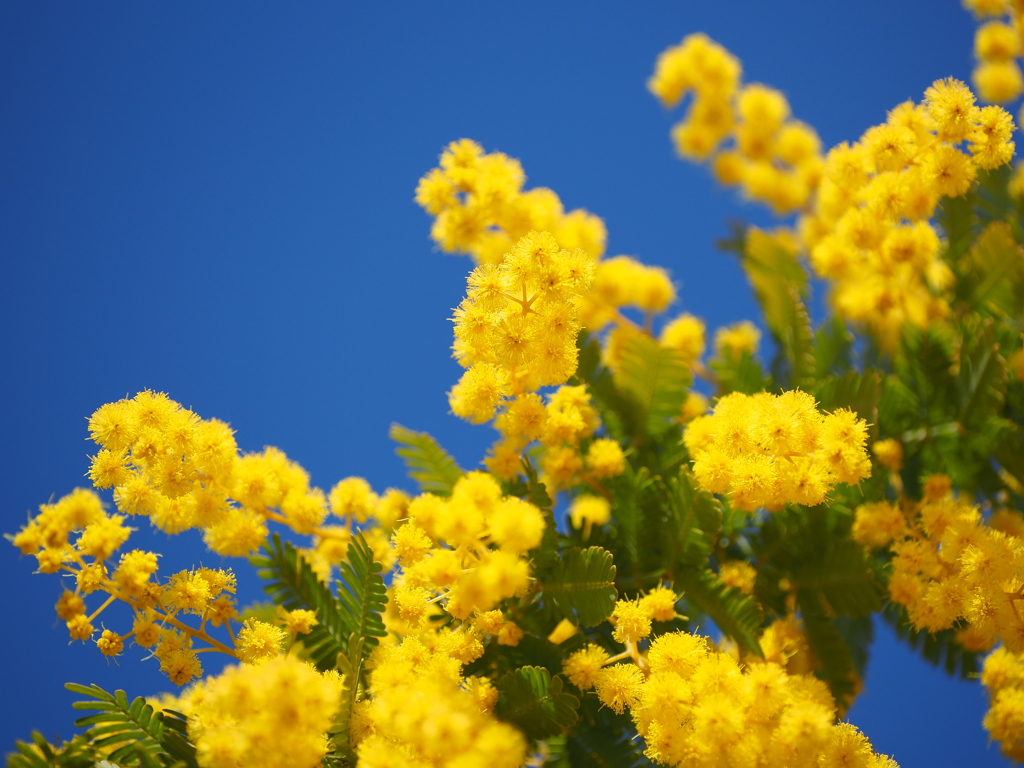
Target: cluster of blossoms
<point>869,231</point>
<point>1003,677</point>
<point>159,610</point>
<point>516,329</point>
<point>744,131</point>
<point>481,208</point>
<point>183,472</point>
<point>997,45</point>
<point>565,428</point>
<point>424,712</point>
<point>770,450</point>
<point>950,567</point>
<point>487,536</point>
<point>696,705</point>
<point>264,715</point>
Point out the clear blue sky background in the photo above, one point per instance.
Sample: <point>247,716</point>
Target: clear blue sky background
<point>215,200</point>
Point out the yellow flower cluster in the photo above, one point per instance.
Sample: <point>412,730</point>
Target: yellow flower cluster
<point>950,567</point>
<point>697,706</point>
<point>769,450</point>
<point>184,472</point>
<point>482,209</point>
<point>268,715</point>
<point>516,329</point>
<point>487,536</point>
<point>869,231</point>
<point>745,131</point>
<point>623,282</point>
<point>423,712</point>
<point>1003,676</point>
<point>165,462</point>
<point>997,45</point>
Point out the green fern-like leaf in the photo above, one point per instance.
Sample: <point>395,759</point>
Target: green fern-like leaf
<point>362,593</point>
<point>131,730</point>
<point>832,345</point>
<point>582,585</point>
<point>357,610</point>
<point>780,283</point>
<point>860,392</point>
<point>533,701</point>
<point>291,583</point>
<point>175,739</point>
<point>737,615</point>
<point>982,380</point>
<point>603,739</point>
<point>844,579</point>
<point>831,652</point>
<point>428,463</point>
<point>39,753</point>
<point>696,521</point>
<point>740,373</point>
<point>991,271</point>
<point>655,379</point>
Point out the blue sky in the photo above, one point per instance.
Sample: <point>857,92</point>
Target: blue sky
<point>215,200</point>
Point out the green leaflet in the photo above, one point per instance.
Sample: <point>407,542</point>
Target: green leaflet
<point>737,615</point>
<point>990,272</point>
<point>428,463</point>
<point>695,522</point>
<point>362,596</point>
<point>859,392</point>
<point>582,585</point>
<point>834,659</point>
<point>780,284</point>
<point>77,753</point>
<point>533,701</point>
<point>833,344</point>
<point>138,735</point>
<point>603,739</point>
<point>843,579</point>
<point>740,374</point>
<point>291,583</point>
<point>957,218</point>
<point>655,380</point>
<point>982,382</point>
<point>362,592</point>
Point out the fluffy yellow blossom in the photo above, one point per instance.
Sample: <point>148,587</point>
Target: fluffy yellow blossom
<point>277,713</point>
<point>258,641</point>
<point>868,232</point>
<point>481,207</point>
<point>767,450</point>
<point>516,329</point>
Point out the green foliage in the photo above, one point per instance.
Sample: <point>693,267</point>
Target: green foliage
<point>990,273</point>
<point>737,615</point>
<point>533,701</point>
<point>655,381</point>
<point>583,585</point>
<point>833,348</point>
<point>780,284</point>
<point>603,739</point>
<point>428,463</point>
<point>740,373</point>
<point>362,593</point>
<point>131,732</point>
<point>39,753</point>
<point>696,518</point>
<point>291,583</point>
